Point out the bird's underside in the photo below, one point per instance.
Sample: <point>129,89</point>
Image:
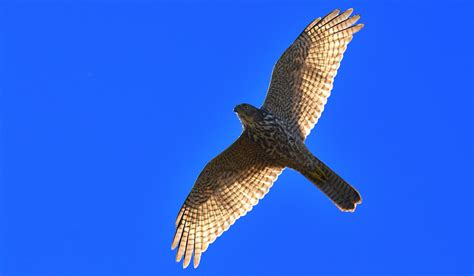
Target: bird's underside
<point>272,139</point>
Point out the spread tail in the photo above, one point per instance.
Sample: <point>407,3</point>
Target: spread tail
<point>339,191</point>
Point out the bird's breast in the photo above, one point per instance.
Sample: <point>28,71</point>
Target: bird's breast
<point>275,140</point>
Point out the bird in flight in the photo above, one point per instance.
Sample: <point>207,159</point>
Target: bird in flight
<point>272,139</point>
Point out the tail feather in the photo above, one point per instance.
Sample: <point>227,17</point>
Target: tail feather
<point>339,191</point>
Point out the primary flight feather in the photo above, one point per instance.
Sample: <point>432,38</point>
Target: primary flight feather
<point>272,139</point>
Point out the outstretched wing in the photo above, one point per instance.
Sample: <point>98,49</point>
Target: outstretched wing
<point>303,76</point>
<point>228,187</point>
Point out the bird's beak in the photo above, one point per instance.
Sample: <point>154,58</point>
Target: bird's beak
<point>235,109</point>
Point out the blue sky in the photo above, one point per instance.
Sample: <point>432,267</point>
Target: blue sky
<point>109,111</point>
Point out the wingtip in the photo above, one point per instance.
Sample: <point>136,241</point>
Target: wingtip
<point>197,260</point>
<point>185,264</point>
<point>357,28</point>
<point>174,244</point>
<point>348,12</point>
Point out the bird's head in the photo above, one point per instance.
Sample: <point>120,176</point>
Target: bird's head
<point>248,114</point>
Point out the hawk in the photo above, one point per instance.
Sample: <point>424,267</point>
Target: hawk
<point>272,139</point>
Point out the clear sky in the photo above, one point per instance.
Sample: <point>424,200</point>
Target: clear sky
<point>109,111</point>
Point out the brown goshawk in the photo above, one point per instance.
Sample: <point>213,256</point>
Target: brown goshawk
<point>272,139</point>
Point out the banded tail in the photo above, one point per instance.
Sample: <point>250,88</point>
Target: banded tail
<point>339,191</point>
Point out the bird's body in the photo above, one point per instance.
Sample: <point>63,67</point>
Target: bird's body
<point>279,144</point>
<point>272,139</point>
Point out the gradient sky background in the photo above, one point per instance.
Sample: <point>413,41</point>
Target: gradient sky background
<point>109,111</point>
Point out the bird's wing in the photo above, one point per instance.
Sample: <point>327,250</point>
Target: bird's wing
<point>228,187</point>
<point>303,76</point>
